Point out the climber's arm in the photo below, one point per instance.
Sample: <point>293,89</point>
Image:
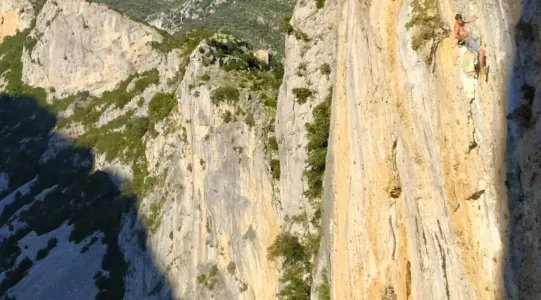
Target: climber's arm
<point>466,22</point>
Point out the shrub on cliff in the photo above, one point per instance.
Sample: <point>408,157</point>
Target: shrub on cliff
<point>225,93</point>
<point>160,106</point>
<point>302,94</point>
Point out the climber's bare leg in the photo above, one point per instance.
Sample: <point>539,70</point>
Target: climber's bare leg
<point>481,54</point>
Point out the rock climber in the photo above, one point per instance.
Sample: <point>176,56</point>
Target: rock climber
<point>460,34</point>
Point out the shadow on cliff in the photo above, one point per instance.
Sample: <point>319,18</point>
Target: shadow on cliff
<point>84,199</point>
<point>522,266</point>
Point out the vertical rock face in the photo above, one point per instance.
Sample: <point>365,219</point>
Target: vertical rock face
<point>14,15</point>
<point>524,159</point>
<point>79,46</point>
<point>219,210</point>
<point>308,49</point>
<point>202,229</point>
<point>415,202</point>
<point>417,180</point>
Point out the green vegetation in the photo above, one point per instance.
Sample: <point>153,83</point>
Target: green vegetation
<point>249,120</point>
<point>302,94</point>
<point>9,250</point>
<point>187,43</point>
<point>245,24</point>
<point>320,4</point>
<point>325,69</point>
<point>286,27</point>
<point>205,77</point>
<point>144,80</point>
<point>296,287</point>
<point>388,293</point>
<point>232,268</point>
<point>125,145</point>
<point>90,243</point>
<point>273,144</point>
<point>243,287</point>
<point>296,275</point>
<point>42,253</point>
<point>11,50</point>
<point>227,116</point>
<point>288,247</point>
<point>318,136</point>
<point>301,69</point>
<point>427,22</point>
<point>201,278</point>
<point>119,97</point>
<point>37,5</point>
<point>298,255</point>
<point>213,271</point>
<point>12,277</point>
<point>237,55</point>
<point>202,163</point>
<point>208,226</point>
<point>152,221</point>
<point>318,133</point>
<point>31,42</point>
<point>160,106</point>
<point>168,44</point>
<point>13,207</point>
<point>270,102</point>
<point>227,93</point>
<point>299,35</point>
<point>209,280</point>
<point>275,168</point>
<point>123,97</point>
<point>324,290</point>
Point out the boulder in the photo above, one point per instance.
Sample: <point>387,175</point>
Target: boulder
<point>262,55</point>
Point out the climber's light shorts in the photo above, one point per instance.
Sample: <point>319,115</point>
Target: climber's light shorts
<point>472,44</point>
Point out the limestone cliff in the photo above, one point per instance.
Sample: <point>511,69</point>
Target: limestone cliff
<point>185,129</point>
<point>218,201</point>
<point>79,46</point>
<point>374,163</point>
<point>415,202</point>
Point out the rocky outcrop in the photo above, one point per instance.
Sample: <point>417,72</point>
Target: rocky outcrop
<point>98,48</point>
<point>15,16</point>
